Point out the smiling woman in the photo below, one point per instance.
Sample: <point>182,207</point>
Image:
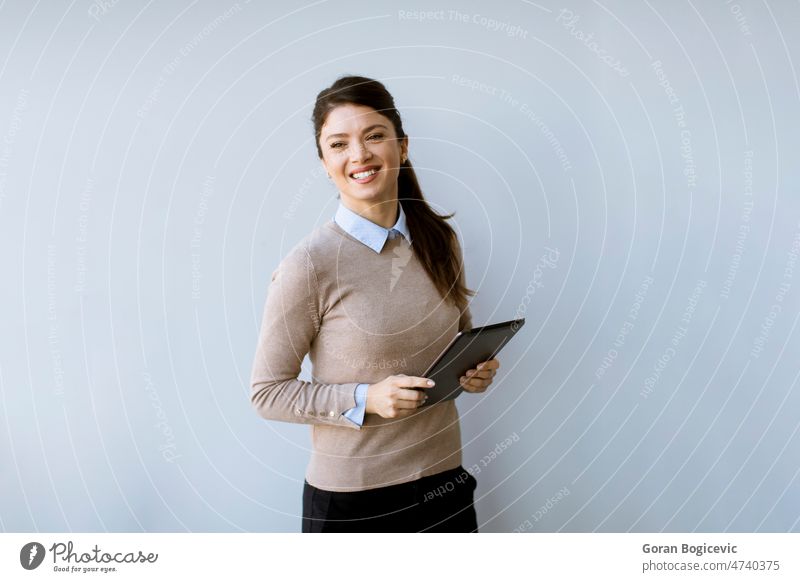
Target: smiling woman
<point>358,129</point>
<point>372,314</point>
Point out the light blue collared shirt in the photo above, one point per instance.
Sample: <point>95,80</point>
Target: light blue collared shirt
<point>371,234</point>
<point>375,237</point>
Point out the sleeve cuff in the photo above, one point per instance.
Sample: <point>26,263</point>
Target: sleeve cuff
<point>356,414</point>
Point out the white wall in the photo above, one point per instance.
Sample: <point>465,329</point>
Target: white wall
<point>158,161</point>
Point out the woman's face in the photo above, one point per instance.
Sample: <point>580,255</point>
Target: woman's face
<point>362,154</point>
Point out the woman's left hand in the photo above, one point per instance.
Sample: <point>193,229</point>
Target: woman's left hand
<point>478,379</point>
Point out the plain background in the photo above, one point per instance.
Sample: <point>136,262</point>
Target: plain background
<point>624,175</point>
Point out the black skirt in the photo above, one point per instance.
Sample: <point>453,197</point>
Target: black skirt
<point>437,503</point>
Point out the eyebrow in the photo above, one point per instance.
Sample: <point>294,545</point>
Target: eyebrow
<point>370,128</point>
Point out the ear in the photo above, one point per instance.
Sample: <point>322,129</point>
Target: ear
<point>404,146</point>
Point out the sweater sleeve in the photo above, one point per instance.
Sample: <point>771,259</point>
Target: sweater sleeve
<point>289,324</point>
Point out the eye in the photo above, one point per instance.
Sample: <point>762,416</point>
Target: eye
<point>336,145</point>
<point>376,136</point>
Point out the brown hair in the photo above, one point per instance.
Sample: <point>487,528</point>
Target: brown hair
<point>434,241</point>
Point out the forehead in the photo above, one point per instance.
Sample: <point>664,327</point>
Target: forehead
<point>350,118</point>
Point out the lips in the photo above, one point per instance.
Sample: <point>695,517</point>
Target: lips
<point>363,169</point>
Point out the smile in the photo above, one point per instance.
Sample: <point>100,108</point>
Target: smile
<point>367,174</point>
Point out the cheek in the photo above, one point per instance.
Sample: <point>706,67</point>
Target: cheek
<point>335,163</point>
<point>391,152</point>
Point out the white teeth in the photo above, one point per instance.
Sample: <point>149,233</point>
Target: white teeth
<point>362,175</point>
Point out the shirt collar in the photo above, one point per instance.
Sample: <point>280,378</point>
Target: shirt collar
<point>371,234</point>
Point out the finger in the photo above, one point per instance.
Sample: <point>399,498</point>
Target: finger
<point>474,385</point>
<point>411,395</point>
<point>489,365</point>
<point>479,384</point>
<point>398,413</point>
<point>403,381</point>
<point>481,374</point>
<point>407,404</point>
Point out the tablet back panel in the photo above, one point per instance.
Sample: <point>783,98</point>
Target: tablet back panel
<point>467,350</point>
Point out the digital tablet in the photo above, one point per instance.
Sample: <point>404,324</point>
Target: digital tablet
<point>464,352</point>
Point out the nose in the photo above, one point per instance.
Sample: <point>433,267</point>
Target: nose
<point>359,151</point>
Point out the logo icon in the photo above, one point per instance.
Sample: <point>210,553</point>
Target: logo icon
<point>31,555</point>
<point>402,254</point>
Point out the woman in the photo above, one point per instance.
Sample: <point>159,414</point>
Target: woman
<point>373,312</point>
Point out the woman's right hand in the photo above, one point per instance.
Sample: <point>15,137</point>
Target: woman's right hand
<point>394,397</point>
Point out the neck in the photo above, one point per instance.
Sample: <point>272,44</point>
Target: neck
<point>384,213</point>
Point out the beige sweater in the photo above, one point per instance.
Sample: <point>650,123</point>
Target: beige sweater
<point>361,316</point>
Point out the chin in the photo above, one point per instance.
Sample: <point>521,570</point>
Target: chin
<point>362,193</point>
